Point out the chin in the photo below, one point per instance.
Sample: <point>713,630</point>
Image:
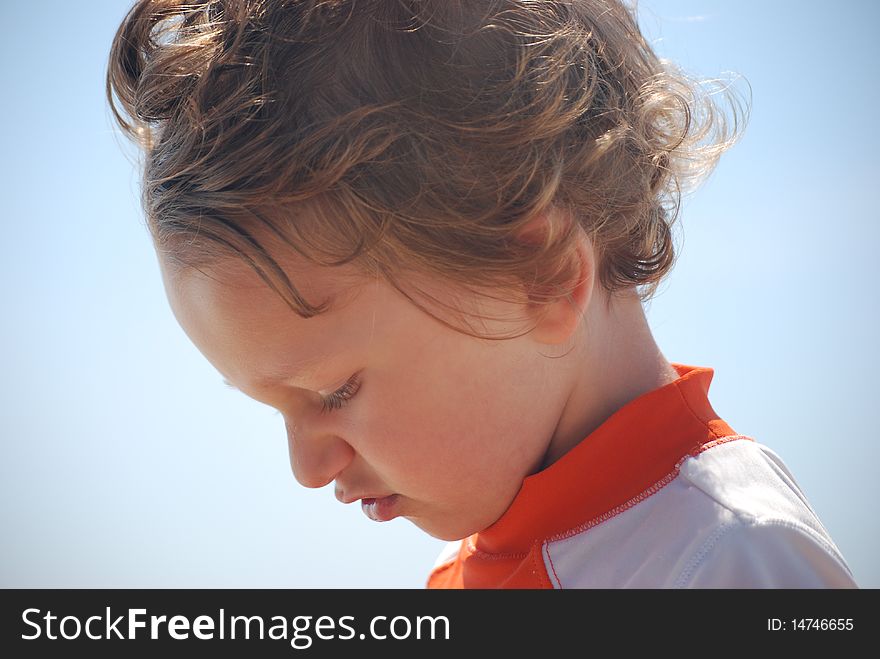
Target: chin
<point>444,531</point>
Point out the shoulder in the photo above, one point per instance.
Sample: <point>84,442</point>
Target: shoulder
<point>768,553</point>
<point>731,516</point>
<point>750,481</point>
<point>766,533</point>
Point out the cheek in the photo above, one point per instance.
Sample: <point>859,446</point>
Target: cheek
<point>411,434</point>
<point>440,427</point>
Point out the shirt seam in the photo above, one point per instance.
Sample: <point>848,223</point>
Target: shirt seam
<point>754,521</point>
<point>699,556</point>
<point>794,524</point>
<point>642,496</point>
<point>612,512</point>
<point>745,522</point>
<point>645,494</point>
<point>546,551</point>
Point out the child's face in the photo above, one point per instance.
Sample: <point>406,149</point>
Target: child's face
<point>442,427</point>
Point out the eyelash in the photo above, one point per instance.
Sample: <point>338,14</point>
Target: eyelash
<point>341,396</point>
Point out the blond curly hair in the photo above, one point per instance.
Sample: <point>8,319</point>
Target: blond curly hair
<point>413,136</point>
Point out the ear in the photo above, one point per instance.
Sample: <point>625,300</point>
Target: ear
<point>556,322</point>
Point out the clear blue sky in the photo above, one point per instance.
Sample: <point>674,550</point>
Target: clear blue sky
<point>126,462</point>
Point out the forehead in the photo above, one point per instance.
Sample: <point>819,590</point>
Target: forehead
<point>250,334</point>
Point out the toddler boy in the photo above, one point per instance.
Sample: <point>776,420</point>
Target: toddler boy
<point>423,230</point>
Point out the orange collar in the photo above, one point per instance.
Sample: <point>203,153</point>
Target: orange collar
<point>634,449</point>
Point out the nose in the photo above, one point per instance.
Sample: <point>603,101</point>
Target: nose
<point>316,457</point>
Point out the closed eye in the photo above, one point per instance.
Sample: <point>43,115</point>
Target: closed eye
<point>331,402</point>
<point>342,395</point>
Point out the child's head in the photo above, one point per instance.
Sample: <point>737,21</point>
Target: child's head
<point>325,180</point>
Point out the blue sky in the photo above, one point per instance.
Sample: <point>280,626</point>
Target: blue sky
<point>125,460</point>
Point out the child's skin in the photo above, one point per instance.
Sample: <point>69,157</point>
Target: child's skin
<point>442,427</point>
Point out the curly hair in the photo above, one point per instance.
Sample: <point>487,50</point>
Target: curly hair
<point>413,136</point>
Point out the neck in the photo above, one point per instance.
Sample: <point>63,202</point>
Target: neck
<point>616,360</point>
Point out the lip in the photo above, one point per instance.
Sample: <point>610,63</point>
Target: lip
<point>343,496</point>
<point>380,509</point>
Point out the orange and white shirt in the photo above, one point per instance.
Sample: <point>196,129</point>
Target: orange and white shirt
<point>664,494</point>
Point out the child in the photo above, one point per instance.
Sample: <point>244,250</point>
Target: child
<point>423,230</point>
